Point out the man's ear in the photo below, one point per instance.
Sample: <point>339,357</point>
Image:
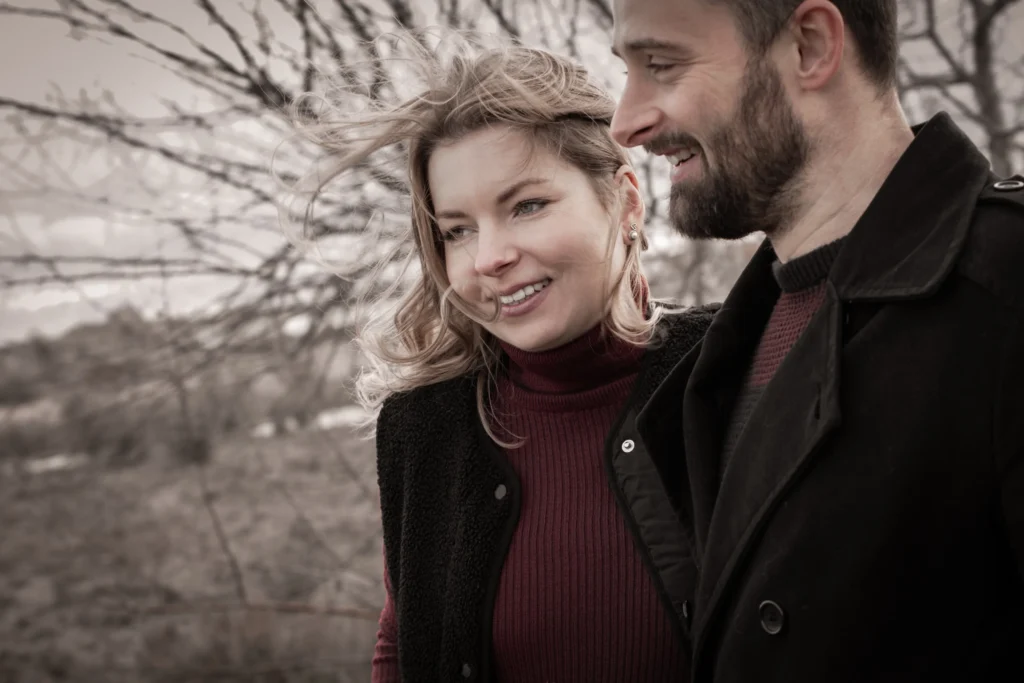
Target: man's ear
<point>817,34</point>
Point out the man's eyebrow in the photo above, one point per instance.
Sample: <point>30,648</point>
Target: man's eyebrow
<point>648,44</point>
<point>506,195</point>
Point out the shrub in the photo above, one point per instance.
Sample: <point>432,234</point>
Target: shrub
<point>122,432</point>
<point>96,427</point>
<point>25,439</point>
<point>17,389</point>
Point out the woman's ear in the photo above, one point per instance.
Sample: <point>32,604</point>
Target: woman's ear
<point>631,202</point>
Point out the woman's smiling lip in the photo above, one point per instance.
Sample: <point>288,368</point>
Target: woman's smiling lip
<point>525,306</point>
<point>509,291</point>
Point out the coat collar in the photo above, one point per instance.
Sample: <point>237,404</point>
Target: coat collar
<point>908,239</point>
<point>903,246</point>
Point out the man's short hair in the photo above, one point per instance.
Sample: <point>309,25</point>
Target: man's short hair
<point>872,23</point>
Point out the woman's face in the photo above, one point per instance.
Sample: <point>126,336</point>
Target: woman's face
<point>529,229</point>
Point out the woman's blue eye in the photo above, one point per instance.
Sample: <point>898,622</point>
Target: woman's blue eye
<point>529,206</point>
<point>454,234</point>
<point>523,208</point>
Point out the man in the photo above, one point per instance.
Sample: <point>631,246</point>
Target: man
<point>853,423</point>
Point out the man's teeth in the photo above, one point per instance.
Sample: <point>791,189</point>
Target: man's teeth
<point>527,291</point>
<point>682,156</point>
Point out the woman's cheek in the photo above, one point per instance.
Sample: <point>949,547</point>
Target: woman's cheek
<point>467,289</point>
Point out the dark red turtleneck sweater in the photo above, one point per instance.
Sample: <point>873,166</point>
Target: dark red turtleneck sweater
<point>575,603</point>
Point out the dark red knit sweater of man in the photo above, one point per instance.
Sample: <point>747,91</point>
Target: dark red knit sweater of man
<point>802,281</point>
<point>575,603</point>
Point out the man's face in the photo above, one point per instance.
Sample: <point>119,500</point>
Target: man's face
<point>722,118</point>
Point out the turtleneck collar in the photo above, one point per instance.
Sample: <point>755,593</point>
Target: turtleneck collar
<point>593,360</point>
<point>584,372</point>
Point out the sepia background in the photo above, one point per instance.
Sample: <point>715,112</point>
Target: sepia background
<point>183,496</point>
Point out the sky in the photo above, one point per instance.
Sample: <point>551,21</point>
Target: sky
<point>45,57</point>
<point>48,58</point>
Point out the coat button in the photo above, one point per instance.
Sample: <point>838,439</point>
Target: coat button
<point>467,671</point>
<point>772,617</point>
<point>500,492</point>
<point>1009,185</point>
<point>627,446</point>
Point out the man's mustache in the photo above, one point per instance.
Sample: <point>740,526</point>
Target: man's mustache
<point>669,141</point>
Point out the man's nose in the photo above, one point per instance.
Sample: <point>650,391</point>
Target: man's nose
<point>636,116</point>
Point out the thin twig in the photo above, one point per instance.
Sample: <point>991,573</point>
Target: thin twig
<point>222,538</point>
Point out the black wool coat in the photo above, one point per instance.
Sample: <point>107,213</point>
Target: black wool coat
<point>450,503</point>
<point>870,524</point>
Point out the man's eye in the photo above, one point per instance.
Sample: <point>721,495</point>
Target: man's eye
<point>658,67</point>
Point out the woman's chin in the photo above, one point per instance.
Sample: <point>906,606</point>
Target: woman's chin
<point>540,338</point>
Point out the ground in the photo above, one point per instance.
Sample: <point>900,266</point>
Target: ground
<point>122,575</point>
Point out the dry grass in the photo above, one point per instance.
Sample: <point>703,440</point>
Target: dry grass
<point>122,575</point>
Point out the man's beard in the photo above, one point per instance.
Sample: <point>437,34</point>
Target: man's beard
<point>759,155</point>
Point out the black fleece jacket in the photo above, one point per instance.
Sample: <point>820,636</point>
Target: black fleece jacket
<point>446,533</point>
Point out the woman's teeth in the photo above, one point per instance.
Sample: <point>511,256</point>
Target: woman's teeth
<point>525,292</point>
<point>680,157</point>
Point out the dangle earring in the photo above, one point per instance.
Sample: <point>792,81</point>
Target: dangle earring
<point>634,234</point>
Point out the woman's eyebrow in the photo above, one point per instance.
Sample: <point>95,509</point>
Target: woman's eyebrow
<point>505,195</point>
<point>516,187</point>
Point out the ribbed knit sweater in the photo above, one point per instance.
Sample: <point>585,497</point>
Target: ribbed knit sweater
<point>575,603</point>
<point>802,281</point>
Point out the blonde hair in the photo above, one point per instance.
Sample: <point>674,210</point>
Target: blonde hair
<point>430,334</point>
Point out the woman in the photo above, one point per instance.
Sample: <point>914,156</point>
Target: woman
<point>528,535</point>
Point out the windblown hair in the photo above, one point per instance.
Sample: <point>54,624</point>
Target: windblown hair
<point>430,334</point>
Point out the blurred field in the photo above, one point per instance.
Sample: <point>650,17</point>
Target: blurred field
<point>263,565</point>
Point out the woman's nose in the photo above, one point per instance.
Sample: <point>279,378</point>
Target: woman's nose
<point>494,255</point>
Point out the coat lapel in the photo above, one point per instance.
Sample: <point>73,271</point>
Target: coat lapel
<point>715,378</point>
<point>903,247</point>
<point>799,408</point>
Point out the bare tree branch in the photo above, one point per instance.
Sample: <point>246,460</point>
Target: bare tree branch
<point>236,571</point>
<point>496,9</point>
<point>973,74</point>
